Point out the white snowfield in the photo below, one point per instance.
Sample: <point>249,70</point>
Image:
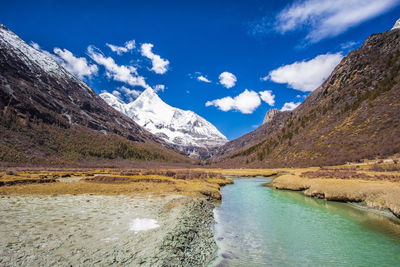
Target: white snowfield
<point>183,128</point>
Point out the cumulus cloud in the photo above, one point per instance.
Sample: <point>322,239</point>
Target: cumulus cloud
<point>327,18</point>
<point>116,93</point>
<point>122,73</point>
<point>203,79</point>
<point>227,79</point>
<point>129,45</point>
<point>245,103</point>
<point>267,97</point>
<point>306,75</point>
<point>78,66</point>
<point>130,94</point>
<point>160,66</point>
<point>159,87</point>
<point>290,106</point>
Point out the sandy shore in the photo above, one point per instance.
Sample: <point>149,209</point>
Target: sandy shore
<point>82,230</point>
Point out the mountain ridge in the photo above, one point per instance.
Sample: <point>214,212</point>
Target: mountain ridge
<point>184,129</point>
<point>353,115</point>
<point>40,102</point>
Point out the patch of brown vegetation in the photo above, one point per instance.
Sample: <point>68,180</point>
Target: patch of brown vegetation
<point>375,193</point>
<point>121,180</point>
<point>27,181</point>
<point>385,167</point>
<point>349,174</point>
<point>116,181</point>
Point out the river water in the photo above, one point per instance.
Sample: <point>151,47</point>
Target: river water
<point>261,226</point>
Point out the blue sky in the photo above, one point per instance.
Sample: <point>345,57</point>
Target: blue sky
<point>278,51</point>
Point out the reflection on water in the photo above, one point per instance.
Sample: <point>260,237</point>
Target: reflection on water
<point>260,226</point>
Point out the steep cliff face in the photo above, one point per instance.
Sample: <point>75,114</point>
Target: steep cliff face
<point>354,114</point>
<point>41,104</point>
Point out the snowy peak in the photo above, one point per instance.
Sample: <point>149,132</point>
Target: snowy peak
<point>182,128</point>
<point>396,25</point>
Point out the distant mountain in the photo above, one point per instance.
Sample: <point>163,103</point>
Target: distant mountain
<point>48,115</point>
<point>182,128</point>
<point>354,114</point>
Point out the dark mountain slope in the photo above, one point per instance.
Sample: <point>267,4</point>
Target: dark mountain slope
<point>48,115</point>
<point>354,114</point>
<point>250,139</point>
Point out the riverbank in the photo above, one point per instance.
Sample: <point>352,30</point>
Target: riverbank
<point>73,217</point>
<point>376,189</point>
<point>261,226</point>
<point>69,230</point>
<point>373,183</point>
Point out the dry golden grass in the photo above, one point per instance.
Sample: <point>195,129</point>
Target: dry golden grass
<point>112,182</point>
<point>376,191</point>
<point>377,194</point>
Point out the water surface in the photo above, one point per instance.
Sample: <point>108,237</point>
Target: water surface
<point>260,226</point>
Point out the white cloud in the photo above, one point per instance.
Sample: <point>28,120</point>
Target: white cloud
<point>78,66</point>
<point>246,102</point>
<point>122,73</point>
<point>203,79</point>
<point>268,97</point>
<point>35,45</point>
<point>129,45</point>
<point>116,93</point>
<point>327,18</point>
<point>159,87</point>
<point>290,106</point>
<point>160,66</point>
<point>47,53</point>
<point>348,45</point>
<point>130,92</point>
<point>227,79</point>
<point>306,75</point>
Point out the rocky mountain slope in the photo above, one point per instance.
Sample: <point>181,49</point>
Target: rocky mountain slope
<point>182,128</point>
<point>354,114</point>
<point>48,115</point>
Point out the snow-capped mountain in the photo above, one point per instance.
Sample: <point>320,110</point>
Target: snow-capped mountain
<point>182,128</point>
<point>46,102</point>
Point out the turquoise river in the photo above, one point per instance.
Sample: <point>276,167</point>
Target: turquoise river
<point>261,226</point>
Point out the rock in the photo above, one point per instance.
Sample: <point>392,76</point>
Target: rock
<point>270,115</point>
